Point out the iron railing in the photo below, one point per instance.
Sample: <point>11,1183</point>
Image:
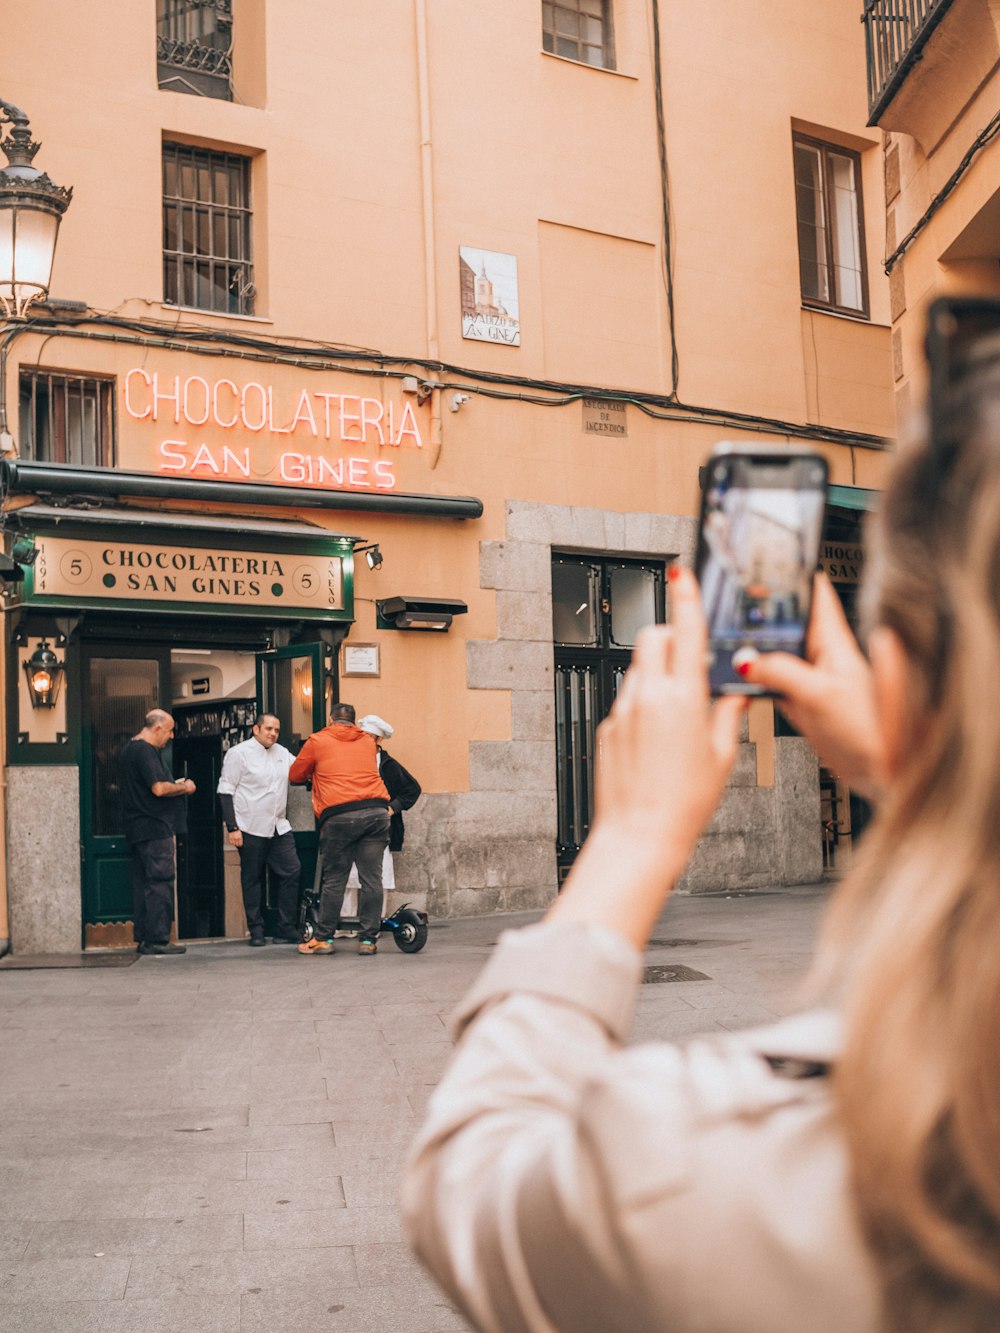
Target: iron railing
<point>896,32</point>
<point>194,40</point>
<point>193,56</point>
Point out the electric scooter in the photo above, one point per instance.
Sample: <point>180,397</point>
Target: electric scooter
<point>407,925</point>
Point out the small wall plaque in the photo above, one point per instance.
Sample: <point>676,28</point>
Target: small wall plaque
<point>361,659</point>
<point>604,416</point>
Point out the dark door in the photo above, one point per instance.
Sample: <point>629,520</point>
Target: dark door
<point>201,899</point>
<point>121,683</point>
<point>598,608</point>
<point>293,685</point>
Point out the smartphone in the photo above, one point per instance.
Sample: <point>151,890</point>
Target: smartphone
<point>963,334</point>
<point>762,516</point>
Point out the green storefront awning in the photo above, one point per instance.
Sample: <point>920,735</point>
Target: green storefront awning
<point>853,497</point>
<point>111,559</point>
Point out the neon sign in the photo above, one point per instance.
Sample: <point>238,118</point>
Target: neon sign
<point>316,418</point>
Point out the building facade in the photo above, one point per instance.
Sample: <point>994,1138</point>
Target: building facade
<point>478,286</point>
<point>933,92</point>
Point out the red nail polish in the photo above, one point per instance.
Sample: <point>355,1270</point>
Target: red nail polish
<point>674,572</point>
<point>743,668</point>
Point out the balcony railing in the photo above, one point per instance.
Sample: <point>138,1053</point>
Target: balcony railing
<point>896,32</point>
<point>194,46</point>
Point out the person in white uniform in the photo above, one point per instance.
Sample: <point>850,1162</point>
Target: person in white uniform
<point>253,793</point>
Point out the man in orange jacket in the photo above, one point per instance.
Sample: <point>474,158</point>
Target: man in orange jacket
<point>352,811</point>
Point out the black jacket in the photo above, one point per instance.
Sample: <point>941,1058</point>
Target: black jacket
<point>403,789</point>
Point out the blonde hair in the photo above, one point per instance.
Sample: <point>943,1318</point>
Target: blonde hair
<point>913,936</point>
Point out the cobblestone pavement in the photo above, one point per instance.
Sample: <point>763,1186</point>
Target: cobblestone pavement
<point>212,1142</point>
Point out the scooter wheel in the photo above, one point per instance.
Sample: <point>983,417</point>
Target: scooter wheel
<point>410,937</point>
<point>307,932</point>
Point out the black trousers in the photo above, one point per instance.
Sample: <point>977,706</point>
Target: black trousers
<point>361,837</point>
<point>278,855</point>
<point>152,890</point>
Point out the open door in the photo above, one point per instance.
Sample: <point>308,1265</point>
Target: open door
<point>121,683</point>
<point>291,684</point>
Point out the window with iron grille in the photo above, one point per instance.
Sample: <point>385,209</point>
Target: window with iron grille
<point>194,47</point>
<point>207,257</point>
<point>830,218</point>
<point>67,418</point>
<point>579,30</point>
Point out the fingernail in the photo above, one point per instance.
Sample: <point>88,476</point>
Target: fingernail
<point>674,572</point>
<point>743,668</point>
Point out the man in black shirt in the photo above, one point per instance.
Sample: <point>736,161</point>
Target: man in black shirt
<point>154,813</point>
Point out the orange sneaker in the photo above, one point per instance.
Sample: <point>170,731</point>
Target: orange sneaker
<point>316,945</point>
<point>368,947</point>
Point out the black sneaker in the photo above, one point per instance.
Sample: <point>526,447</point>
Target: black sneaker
<point>257,940</point>
<point>286,937</point>
<point>162,948</point>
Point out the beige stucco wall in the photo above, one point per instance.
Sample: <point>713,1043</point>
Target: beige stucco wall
<point>947,100</point>
<point>370,169</point>
<point>532,155</point>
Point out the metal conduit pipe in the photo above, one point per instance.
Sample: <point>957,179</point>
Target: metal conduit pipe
<point>46,479</point>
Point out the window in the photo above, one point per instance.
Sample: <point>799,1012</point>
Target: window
<point>831,226</point>
<point>579,30</point>
<point>194,47</point>
<point>207,260</point>
<point>67,419</point>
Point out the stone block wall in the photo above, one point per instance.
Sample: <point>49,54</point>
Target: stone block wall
<point>492,848</point>
<point>43,875</point>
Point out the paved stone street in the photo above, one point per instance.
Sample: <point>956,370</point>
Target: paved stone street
<point>212,1142</point>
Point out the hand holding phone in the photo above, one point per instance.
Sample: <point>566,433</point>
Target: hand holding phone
<point>830,695</point>
<point>758,546</point>
<point>963,340</point>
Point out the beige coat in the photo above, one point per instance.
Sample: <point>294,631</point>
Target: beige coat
<point>565,1181</point>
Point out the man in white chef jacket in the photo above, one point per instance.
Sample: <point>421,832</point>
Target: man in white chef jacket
<point>253,793</point>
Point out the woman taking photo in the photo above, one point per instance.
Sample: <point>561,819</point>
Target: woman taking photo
<point>839,1171</point>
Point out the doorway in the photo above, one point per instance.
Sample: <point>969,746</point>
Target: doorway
<point>214,694</point>
<point>599,604</point>
<point>214,705</point>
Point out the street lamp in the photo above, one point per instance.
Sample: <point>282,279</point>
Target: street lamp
<point>31,207</point>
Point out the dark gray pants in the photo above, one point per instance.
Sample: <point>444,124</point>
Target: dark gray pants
<point>152,890</point>
<point>278,855</point>
<point>361,837</point>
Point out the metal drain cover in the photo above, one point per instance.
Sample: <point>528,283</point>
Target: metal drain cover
<point>652,976</point>
<point>675,944</point>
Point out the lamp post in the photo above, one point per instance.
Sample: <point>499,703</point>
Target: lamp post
<point>31,206</point>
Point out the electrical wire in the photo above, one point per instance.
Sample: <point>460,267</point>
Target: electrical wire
<point>330,357</point>
<point>668,256</point>
<point>984,137</point>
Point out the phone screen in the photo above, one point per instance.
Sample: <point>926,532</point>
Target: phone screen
<point>761,522</point>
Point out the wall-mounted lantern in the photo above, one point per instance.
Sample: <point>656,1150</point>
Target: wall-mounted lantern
<point>304,684</point>
<point>434,613</point>
<point>31,207</point>
<point>45,674</point>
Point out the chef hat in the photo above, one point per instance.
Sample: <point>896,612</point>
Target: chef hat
<point>376,726</point>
